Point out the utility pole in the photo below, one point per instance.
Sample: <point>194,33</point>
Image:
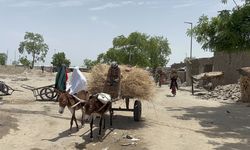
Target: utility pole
<point>191,49</point>
<point>191,42</point>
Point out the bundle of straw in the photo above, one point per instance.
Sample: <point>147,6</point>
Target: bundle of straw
<point>245,88</point>
<point>135,82</point>
<point>97,78</point>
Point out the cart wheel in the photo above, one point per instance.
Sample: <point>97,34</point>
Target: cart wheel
<point>5,89</point>
<point>47,94</point>
<point>42,94</point>
<point>50,93</point>
<point>137,110</point>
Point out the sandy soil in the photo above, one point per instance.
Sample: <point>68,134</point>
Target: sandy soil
<point>183,122</point>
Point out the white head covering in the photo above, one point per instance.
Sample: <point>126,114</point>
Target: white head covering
<point>78,82</point>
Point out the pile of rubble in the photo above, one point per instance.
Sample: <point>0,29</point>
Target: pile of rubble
<point>225,92</point>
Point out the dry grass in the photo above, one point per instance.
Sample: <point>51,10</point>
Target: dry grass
<point>135,82</point>
<point>97,78</point>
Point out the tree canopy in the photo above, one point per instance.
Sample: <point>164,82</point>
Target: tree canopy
<point>89,63</point>
<point>24,61</point>
<point>3,58</point>
<point>229,31</point>
<point>138,49</point>
<point>60,58</point>
<point>33,45</point>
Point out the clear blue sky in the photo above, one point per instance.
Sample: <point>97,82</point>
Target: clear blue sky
<point>85,28</point>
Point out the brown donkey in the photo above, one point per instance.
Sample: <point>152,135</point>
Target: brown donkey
<point>65,99</point>
<point>94,107</point>
<point>97,106</point>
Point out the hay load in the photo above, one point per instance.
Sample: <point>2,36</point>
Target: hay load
<point>97,78</point>
<point>135,82</point>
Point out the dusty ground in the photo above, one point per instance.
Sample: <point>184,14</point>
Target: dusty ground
<point>183,122</point>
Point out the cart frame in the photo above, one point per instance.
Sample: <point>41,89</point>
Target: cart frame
<point>137,110</point>
<point>44,93</point>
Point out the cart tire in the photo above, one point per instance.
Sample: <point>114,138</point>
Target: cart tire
<point>137,110</point>
<point>42,94</point>
<point>48,94</point>
<point>5,89</point>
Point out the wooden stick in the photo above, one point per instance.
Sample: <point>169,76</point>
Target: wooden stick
<point>80,100</point>
<point>75,105</point>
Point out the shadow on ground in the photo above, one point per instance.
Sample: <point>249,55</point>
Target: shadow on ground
<point>6,123</point>
<point>119,122</point>
<point>224,122</point>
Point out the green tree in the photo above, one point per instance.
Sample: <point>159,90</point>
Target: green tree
<point>34,45</point>
<point>132,49</point>
<point>89,63</point>
<point>102,58</point>
<point>159,51</point>
<point>225,1</point>
<point>3,58</point>
<point>138,49</point>
<point>229,31</point>
<point>24,61</point>
<point>59,58</point>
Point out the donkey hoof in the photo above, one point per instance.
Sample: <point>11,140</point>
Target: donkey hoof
<point>92,139</point>
<point>99,138</point>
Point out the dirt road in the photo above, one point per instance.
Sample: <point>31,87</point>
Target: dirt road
<point>183,122</point>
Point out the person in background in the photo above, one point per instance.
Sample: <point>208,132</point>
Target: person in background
<point>42,68</point>
<point>161,77</point>
<point>61,78</point>
<point>173,85</point>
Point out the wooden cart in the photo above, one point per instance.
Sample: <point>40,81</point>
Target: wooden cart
<point>137,109</point>
<point>6,90</point>
<point>42,93</point>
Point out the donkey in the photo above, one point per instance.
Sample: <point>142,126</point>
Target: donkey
<point>97,106</point>
<point>73,104</point>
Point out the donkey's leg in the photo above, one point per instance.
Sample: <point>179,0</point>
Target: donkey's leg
<point>75,119</point>
<point>71,121</point>
<point>104,122</point>
<point>100,125</point>
<point>83,114</point>
<point>91,127</point>
<point>111,117</point>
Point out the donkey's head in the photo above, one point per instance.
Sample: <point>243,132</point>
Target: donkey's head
<point>63,100</point>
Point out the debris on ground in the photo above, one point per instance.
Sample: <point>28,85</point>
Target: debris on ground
<point>225,92</point>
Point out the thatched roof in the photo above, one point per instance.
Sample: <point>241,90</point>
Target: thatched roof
<point>208,75</point>
<point>245,71</point>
